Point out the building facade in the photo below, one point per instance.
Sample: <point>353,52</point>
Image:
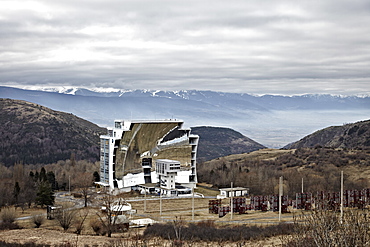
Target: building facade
<point>131,149</point>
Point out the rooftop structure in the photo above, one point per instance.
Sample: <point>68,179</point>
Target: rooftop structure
<point>130,148</point>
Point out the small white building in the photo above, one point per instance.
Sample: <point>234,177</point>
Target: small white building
<point>233,192</point>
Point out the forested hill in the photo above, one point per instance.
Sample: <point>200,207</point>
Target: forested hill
<point>215,142</point>
<point>34,134</point>
<point>353,136</point>
<point>31,134</point>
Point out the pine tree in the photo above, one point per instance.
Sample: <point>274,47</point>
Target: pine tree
<point>96,176</point>
<point>43,176</point>
<point>36,177</point>
<point>16,191</point>
<point>44,195</point>
<point>52,181</point>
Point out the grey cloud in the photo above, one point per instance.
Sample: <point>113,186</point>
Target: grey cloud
<point>247,46</point>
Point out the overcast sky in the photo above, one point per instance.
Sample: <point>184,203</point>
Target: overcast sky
<point>259,47</point>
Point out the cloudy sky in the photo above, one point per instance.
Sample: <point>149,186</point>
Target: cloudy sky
<point>250,46</point>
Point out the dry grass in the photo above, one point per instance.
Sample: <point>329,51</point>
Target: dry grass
<point>52,237</point>
<point>182,208</point>
<point>52,233</point>
<point>207,191</point>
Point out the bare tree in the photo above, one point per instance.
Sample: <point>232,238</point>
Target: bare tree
<point>327,228</point>
<point>8,215</point>
<point>84,184</point>
<point>178,225</point>
<point>80,220</point>
<point>109,213</point>
<point>96,225</point>
<point>28,193</point>
<point>65,217</point>
<point>38,220</point>
<point>5,193</point>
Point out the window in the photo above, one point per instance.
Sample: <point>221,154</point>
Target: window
<point>118,125</point>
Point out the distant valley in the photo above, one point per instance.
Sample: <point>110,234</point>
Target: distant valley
<point>273,121</point>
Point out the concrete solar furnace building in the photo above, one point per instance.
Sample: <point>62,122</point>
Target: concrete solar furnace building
<point>130,151</point>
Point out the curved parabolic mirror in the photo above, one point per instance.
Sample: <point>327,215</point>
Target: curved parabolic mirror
<point>154,140</point>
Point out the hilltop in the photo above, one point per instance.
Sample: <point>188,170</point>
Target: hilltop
<point>217,142</point>
<point>353,136</point>
<point>31,134</point>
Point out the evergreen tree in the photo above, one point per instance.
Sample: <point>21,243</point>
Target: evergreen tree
<point>52,181</point>
<point>96,176</point>
<point>44,195</point>
<point>43,176</point>
<point>29,192</point>
<point>37,176</point>
<point>16,191</point>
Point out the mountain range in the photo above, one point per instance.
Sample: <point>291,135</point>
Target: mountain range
<point>271,120</point>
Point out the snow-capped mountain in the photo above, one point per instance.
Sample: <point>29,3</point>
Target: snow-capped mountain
<point>307,101</point>
<point>271,120</point>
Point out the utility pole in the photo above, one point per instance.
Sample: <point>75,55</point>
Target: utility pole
<point>69,184</point>
<point>144,200</point>
<point>280,195</point>
<point>302,185</point>
<point>231,202</point>
<point>192,204</point>
<point>160,203</point>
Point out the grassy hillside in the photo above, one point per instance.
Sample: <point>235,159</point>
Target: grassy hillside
<point>319,167</point>
<point>31,134</point>
<point>355,135</point>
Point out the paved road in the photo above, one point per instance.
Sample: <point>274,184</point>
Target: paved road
<point>60,197</point>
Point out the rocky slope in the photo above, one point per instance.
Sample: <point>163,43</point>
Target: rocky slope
<point>31,134</point>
